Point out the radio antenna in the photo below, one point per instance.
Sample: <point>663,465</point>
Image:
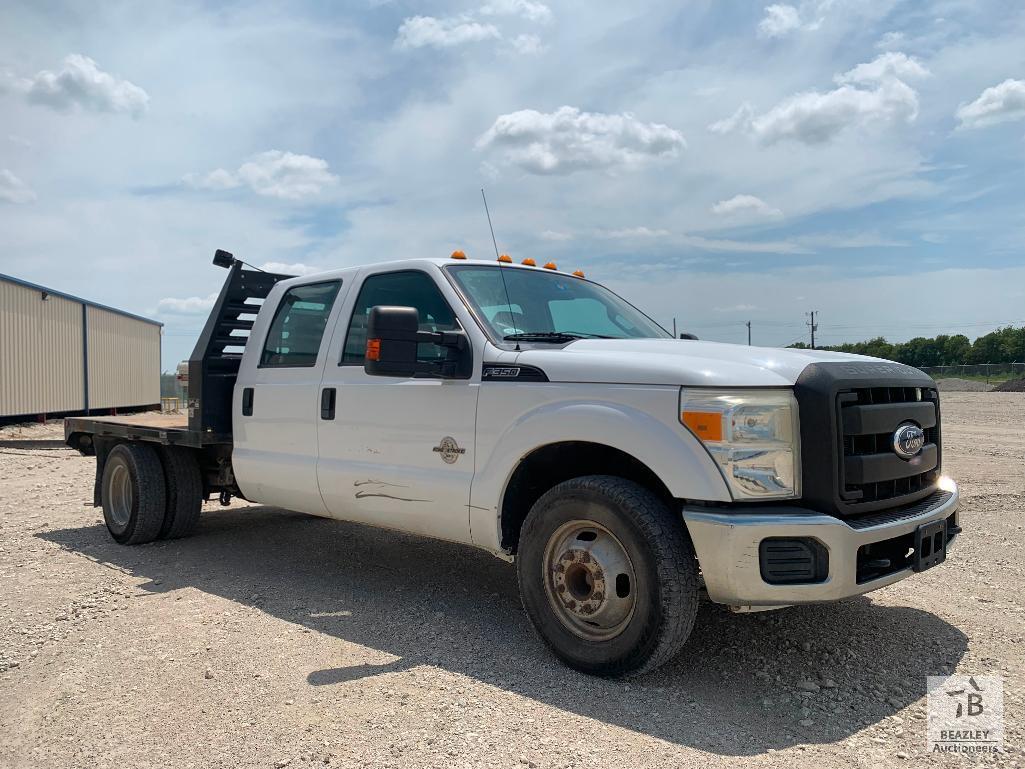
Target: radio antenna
<point>501,265</point>
<point>490,225</point>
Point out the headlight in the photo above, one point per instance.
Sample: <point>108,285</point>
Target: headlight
<point>752,435</point>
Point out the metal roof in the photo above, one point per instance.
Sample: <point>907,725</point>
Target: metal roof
<point>54,292</point>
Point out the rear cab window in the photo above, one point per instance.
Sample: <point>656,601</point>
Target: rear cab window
<point>293,340</point>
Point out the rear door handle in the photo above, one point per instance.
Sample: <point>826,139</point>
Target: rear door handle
<point>247,401</point>
<point>327,403</point>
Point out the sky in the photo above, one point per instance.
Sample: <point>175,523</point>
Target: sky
<point>713,162</point>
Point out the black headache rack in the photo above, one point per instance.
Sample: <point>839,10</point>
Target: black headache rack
<point>214,363</point>
<point>213,369</point>
<point>849,413</point>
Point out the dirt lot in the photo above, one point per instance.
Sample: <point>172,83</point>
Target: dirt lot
<point>271,638</point>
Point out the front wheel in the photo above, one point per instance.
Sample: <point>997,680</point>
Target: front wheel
<point>608,576</point>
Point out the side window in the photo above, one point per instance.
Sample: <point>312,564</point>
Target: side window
<point>400,289</point>
<point>298,325</point>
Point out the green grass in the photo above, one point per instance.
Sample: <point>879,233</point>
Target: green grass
<point>993,379</point>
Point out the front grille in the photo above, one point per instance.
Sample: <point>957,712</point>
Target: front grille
<point>870,470</point>
<point>849,412</point>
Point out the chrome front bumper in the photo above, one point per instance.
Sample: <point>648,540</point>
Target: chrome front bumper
<point>727,546</point>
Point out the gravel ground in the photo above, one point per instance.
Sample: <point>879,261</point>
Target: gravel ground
<point>952,384</point>
<point>274,639</point>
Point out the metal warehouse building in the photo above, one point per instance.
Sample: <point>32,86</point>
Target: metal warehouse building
<point>60,354</point>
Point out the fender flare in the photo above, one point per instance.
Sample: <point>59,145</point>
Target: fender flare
<point>670,451</point>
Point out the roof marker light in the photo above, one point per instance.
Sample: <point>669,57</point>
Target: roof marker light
<point>505,259</point>
<point>458,255</point>
<point>579,273</point>
<point>551,266</point>
<point>529,262</point>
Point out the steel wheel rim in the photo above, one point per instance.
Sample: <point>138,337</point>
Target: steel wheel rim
<point>589,580</point>
<point>120,495</point>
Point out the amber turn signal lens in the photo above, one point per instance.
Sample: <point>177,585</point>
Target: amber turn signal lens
<point>505,259</point>
<point>458,255</point>
<point>373,349</point>
<point>707,425</point>
<point>551,266</point>
<point>529,262</point>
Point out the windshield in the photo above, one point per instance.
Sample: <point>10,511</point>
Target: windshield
<point>543,303</point>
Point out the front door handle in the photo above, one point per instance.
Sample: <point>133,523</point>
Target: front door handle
<point>247,401</point>
<point>327,403</point>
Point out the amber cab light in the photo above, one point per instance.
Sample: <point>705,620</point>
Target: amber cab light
<point>505,259</point>
<point>458,255</point>
<point>551,266</point>
<point>529,262</point>
<point>579,273</point>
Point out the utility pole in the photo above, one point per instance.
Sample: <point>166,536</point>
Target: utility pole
<point>813,326</point>
<point>749,333</point>
<point>674,329</point>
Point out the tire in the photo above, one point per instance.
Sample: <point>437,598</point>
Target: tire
<point>651,615</point>
<point>132,493</point>
<point>183,492</point>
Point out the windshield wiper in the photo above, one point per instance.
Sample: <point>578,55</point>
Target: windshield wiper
<point>552,336</point>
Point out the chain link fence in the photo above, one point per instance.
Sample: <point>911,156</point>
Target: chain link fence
<point>982,371</point>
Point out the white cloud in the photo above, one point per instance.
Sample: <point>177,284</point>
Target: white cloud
<point>81,83</point>
<point>423,31</point>
<point>745,204</point>
<point>738,121</point>
<point>193,305</point>
<point>997,104</point>
<point>632,232</point>
<point>779,20</point>
<point>532,11</point>
<point>888,65</point>
<point>13,189</point>
<point>295,268</point>
<point>528,45</point>
<point>736,308</point>
<point>873,92</point>
<point>218,179</point>
<point>891,40</point>
<point>557,236</point>
<point>274,173</point>
<point>569,140</point>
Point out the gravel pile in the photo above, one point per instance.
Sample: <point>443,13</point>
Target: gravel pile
<point>1011,386</point>
<point>962,385</point>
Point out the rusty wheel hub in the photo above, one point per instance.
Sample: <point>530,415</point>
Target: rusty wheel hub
<point>589,580</point>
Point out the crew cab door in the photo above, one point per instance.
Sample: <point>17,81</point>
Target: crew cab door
<point>276,403</point>
<point>398,451</point>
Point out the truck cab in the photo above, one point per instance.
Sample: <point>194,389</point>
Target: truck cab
<point>537,415</point>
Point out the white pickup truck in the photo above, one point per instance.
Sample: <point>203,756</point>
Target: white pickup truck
<point>539,416</point>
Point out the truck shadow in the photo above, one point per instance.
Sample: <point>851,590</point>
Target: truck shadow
<point>733,690</point>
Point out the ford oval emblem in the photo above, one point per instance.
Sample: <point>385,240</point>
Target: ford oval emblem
<point>908,440</point>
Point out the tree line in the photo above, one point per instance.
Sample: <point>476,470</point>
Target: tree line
<point>1005,345</point>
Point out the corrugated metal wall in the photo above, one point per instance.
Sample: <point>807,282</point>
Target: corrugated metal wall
<point>42,370</point>
<point>124,360</point>
<point>41,367</point>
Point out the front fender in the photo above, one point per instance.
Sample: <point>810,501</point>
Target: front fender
<point>514,420</point>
